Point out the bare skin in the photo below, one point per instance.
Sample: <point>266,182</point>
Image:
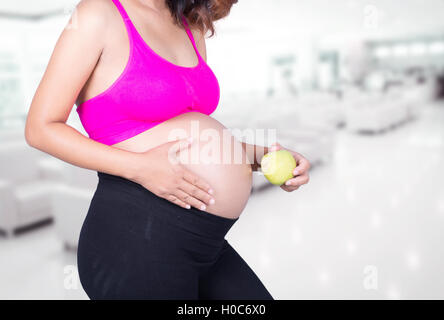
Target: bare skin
<point>89,55</point>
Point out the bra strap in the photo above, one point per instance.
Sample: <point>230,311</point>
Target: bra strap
<point>190,35</point>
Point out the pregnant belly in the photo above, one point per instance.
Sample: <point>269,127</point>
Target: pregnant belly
<point>216,156</point>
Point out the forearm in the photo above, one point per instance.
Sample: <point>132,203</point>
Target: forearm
<point>254,154</point>
<point>66,143</point>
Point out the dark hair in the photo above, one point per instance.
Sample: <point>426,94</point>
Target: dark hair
<point>200,13</point>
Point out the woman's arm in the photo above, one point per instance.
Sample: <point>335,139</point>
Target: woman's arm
<point>75,56</point>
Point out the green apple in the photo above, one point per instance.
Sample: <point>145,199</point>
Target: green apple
<point>277,166</point>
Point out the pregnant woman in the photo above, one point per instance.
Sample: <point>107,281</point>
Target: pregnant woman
<point>172,181</point>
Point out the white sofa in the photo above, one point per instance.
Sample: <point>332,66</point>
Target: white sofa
<point>24,188</point>
<point>375,112</point>
<point>36,187</point>
<point>70,199</point>
<point>70,205</point>
<point>8,135</point>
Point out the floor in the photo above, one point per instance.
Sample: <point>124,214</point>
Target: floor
<point>369,225</point>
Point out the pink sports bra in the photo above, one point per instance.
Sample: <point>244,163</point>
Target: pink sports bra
<point>149,91</point>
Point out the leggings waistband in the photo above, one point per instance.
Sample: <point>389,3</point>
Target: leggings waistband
<point>200,221</point>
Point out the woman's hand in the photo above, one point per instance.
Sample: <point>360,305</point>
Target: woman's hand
<point>159,171</point>
<point>300,173</point>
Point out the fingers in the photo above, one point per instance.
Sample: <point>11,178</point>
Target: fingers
<point>198,182</point>
<point>289,188</point>
<point>172,198</point>
<point>196,193</point>
<point>303,165</point>
<point>187,198</point>
<point>297,181</point>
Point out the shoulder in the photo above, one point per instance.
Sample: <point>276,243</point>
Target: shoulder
<point>96,6</point>
<point>93,13</point>
<point>89,25</point>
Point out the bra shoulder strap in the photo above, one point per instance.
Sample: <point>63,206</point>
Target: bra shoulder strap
<point>190,34</point>
<point>126,19</point>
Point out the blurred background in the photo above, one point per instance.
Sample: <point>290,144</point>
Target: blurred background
<point>355,86</point>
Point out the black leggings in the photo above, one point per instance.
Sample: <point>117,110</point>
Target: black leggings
<point>136,245</point>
